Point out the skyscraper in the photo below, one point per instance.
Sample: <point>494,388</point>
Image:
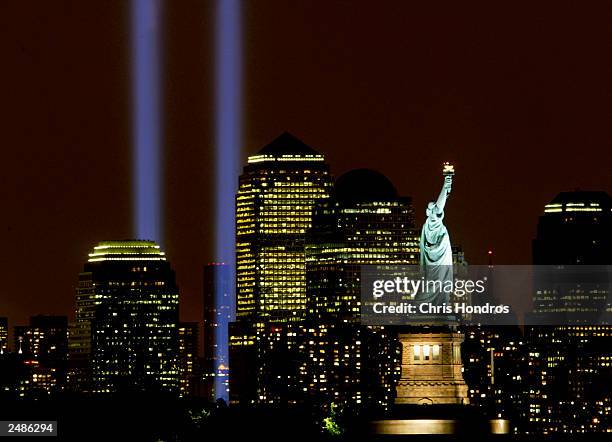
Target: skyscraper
<point>80,335</point>
<point>188,358</point>
<point>570,365</point>
<point>217,314</point>
<point>328,357</point>
<point>277,192</point>
<point>575,229</point>
<point>127,319</point>
<point>364,222</point>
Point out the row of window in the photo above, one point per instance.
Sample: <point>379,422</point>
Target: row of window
<point>426,352</point>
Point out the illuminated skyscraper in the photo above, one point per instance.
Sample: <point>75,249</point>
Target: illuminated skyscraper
<point>188,358</point>
<point>127,319</point>
<point>365,222</point>
<point>329,357</point>
<point>575,229</point>
<point>276,195</point>
<point>570,365</point>
<point>3,336</point>
<point>217,314</point>
<point>79,342</point>
<point>277,192</point>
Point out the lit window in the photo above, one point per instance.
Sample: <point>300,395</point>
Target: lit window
<point>417,352</point>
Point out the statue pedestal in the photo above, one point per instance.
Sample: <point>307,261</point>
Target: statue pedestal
<point>431,395</point>
<point>431,367</point>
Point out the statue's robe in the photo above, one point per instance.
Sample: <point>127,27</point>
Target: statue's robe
<point>436,257</point>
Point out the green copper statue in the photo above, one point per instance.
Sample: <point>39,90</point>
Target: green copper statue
<point>436,251</point>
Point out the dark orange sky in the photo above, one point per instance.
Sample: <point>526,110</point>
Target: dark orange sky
<point>519,98</point>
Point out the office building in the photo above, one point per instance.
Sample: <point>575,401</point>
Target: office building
<point>127,320</point>
<point>188,358</point>
<point>570,361</point>
<point>328,357</point>
<point>42,346</point>
<point>364,222</point>
<point>217,286</point>
<point>277,192</point>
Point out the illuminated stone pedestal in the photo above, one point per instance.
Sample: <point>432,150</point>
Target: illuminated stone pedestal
<point>431,395</point>
<point>431,367</point>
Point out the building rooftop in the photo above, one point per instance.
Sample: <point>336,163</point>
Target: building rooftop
<point>127,250</point>
<point>580,201</point>
<point>286,148</point>
<point>287,144</point>
<point>364,185</point>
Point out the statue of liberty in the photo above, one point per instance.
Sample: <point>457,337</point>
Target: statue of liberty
<point>436,251</point>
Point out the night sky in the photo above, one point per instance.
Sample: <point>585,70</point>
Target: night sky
<point>518,98</point>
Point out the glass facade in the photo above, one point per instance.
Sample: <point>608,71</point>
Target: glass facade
<point>217,285</point>
<point>188,358</point>
<point>277,192</point>
<point>569,367</point>
<point>126,331</point>
<point>365,222</point>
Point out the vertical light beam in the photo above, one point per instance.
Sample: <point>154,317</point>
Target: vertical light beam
<point>228,142</point>
<point>146,121</point>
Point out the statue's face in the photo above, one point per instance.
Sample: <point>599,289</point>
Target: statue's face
<point>430,209</point>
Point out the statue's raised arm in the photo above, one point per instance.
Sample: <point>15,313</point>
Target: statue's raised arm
<point>444,193</point>
<point>435,242</point>
<point>436,251</point>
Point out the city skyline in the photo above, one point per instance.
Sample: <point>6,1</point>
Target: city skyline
<point>297,339</point>
<point>200,306</point>
<point>338,219</point>
<point>523,113</point>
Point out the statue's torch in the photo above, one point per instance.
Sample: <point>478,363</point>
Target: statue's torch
<point>448,171</point>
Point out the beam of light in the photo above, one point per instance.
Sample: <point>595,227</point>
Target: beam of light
<point>228,142</point>
<point>146,121</point>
